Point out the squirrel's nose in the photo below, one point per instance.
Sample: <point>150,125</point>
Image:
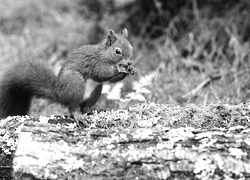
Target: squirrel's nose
<point>129,62</point>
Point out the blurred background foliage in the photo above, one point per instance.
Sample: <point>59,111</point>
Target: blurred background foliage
<point>186,51</point>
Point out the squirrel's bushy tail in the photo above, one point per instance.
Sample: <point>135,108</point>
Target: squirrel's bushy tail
<point>20,83</point>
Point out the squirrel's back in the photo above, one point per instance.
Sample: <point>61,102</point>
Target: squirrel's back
<point>20,82</point>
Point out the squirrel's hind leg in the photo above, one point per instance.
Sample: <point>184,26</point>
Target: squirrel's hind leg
<point>91,100</point>
<point>79,117</point>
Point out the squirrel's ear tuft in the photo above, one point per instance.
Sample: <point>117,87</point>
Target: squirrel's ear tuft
<point>111,37</point>
<point>125,33</point>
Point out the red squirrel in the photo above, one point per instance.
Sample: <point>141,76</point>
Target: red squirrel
<point>79,83</point>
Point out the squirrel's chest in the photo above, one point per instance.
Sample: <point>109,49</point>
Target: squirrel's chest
<point>90,87</point>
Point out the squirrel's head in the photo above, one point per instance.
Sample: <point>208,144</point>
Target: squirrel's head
<point>118,48</point>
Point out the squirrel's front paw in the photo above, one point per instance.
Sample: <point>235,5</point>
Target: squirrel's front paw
<point>126,69</point>
<point>122,69</point>
<point>131,70</point>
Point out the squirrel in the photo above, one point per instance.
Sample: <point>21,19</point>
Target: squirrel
<point>79,83</point>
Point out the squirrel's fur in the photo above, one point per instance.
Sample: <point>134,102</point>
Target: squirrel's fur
<point>79,82</point>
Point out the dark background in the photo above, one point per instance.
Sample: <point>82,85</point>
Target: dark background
<point>179,46</point>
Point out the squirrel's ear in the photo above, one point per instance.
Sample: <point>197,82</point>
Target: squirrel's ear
<point>111,37</point>
<point>125,33</point>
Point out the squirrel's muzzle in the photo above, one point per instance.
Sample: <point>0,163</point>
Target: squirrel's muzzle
<point>126,62</point>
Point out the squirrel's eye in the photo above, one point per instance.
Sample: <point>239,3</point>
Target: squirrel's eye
<point>118,51</point>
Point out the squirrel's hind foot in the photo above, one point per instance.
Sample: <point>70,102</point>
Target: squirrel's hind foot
<point>80,119</point>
